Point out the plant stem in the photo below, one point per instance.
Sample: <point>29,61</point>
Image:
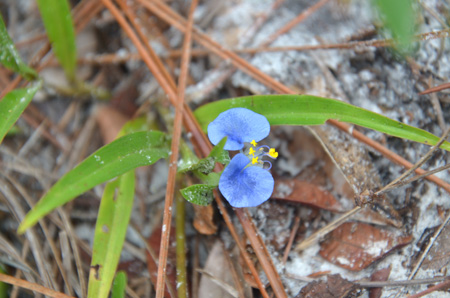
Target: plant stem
<point>181,248</point>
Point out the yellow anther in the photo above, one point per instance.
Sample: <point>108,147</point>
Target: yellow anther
<point>251,151</point>
<point>273,153</point>
<point>254,160</point>
<point>253,143</point>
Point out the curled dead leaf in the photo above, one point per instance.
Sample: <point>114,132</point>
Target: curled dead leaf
<point>355,246</point>
<point>334,287</point>
<point>379,275</point>
<point>110,121</point>
<point>439,255</point>
<point>306,193</point>
<point>204,219</point>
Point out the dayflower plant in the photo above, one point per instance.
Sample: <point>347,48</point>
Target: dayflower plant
<point>246,181</point>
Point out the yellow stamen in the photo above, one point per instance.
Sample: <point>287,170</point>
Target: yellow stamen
<point>251,151</point>
<point>273,153</point>
<point>254,160</point>
<point>253,143</point>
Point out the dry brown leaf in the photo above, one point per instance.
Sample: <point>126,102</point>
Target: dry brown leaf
<point>334,287</point>
<point>379,275</point>
<point>306,193</point>
<point>204,219</point>
<point>217,279</point>
<point>305,159</point>
<point>439,254</point>
<point>110,121</point>
<point>355,246</point>
<point>154,243</point>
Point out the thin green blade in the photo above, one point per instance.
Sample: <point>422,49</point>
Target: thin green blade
<point>9,56</point>
<point>4,287</point>
<point>110,230</point>
<point>59,26</point>
<point>13,105</point>
<point>119,285</point>
<point>313,110</point>
<point>118,157</point>
<point>399,17</point>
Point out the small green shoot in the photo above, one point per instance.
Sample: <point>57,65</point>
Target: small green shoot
<point>59,26</point>
<point>9,56</point>
<point>398,17</point>
<point>119,285</point>
<point>13,105</point>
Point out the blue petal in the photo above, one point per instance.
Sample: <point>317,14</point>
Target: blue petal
<point>245,186</point>
<point>239,125</point>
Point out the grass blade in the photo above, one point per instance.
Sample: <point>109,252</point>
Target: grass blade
<point>9,56</point>
<point>13,105</point>
<point>399,17</point>
<point>118,157</point>
<point>119,285</point>
<point>59,26</point>
<point>110,230</point>
<point>313,110</point>
<point>4,287</point>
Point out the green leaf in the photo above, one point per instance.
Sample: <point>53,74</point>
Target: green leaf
<point>13,105</point>
<point>119,285</point>
<point>9,56</point>
<point>4,287</point>
<point>118,157</point>
<point>189,160</point>
<point>220,155</point>
<point>398,17</point>
<point>199,194</point>
<point>110,230</point>
<point>59,26</point>
<point>212,179</point>
<point>313,110</point>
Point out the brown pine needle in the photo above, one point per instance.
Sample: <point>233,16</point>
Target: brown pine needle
<point>176,135</point>
<point>31,286</point>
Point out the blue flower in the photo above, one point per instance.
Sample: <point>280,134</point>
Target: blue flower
<point>240,125</point>
<point>245,182</point>
<point>243,185</point>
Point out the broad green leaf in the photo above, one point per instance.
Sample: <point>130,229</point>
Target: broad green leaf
<point>199,194</point>
<point>118,157</point>
<point>398,17</point>
<point>59,26</point>
<point>13,105</point>
<point>313,110</point>
<point>119,285</point>
<point>110,230</point>
<point>9,56</point>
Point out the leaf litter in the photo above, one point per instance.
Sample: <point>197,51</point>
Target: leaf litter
<point>372,78</point>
